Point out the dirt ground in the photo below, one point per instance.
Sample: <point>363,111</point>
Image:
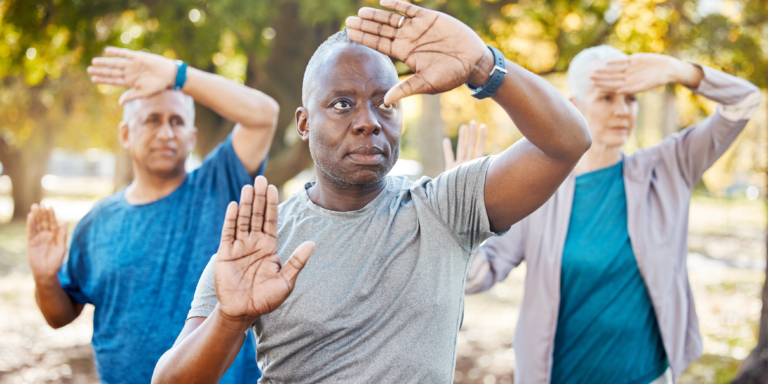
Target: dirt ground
<point>726,271</point>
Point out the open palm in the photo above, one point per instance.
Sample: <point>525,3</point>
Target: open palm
<point>250,280</point>
<point>46,242</point>
<point>145,73</point>
<point>442,51</point>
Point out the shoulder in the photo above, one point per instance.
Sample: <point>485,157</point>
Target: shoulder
<point>103,208</point>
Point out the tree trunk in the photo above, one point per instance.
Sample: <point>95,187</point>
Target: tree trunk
<point>754,369</point>
<point>431,133</point>
<point>281,77</point>
<point>25,167</point>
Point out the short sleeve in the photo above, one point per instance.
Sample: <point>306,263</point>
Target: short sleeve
<point>225,170</point>
<point>458,198</point>
<point>205,299</point>
<point>75,271</point>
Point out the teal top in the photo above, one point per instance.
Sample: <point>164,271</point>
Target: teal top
<point>606,327</point>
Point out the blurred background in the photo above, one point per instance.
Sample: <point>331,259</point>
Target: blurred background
<point>58,140</point>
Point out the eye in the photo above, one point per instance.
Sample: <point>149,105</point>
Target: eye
<point>607,98</point>
<point>386,107</point>
<point>631,99</point>
<point>342,105</point>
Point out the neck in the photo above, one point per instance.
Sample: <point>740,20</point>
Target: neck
<point>148,187</point>
<point>598,156</point>
<point>341,197</point>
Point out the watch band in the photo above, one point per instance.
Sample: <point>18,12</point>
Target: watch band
<point>181,75</point>
<point>497,77</point>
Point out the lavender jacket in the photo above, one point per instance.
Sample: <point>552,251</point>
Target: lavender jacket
<point>658,183</point>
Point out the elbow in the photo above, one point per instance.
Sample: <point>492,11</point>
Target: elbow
<point>56,323</point>
<point>578,143</point>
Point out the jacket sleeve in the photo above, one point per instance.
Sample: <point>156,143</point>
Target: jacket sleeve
<point>694,149</point>
<point>496,258</point>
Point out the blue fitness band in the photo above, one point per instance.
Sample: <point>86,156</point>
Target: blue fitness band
<point>497,77</point>
<point>181,75</point>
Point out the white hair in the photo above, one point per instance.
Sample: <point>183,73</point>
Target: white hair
<point>585,63</point>
<point>130,108</point>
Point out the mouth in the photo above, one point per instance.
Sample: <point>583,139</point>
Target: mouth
<point>367,156</point>
<point>164,151</point>
<point>619,128</point>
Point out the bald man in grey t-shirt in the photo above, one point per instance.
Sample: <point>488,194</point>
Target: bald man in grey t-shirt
<point>385,282</point>
<point>380,299</point>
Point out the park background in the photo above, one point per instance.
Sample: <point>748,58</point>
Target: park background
<point>58,140</point>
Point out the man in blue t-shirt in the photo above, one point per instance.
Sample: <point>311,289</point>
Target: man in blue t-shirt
<point>137,255</point>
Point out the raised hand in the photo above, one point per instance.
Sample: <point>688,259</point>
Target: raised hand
<point>145,73</point>
<point>46,243</point>
<point>442,51</point>
<point>641,72</point>
<point>250,281</point>
<point>471,145</point>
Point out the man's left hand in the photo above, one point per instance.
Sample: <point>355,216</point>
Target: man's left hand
<point>443,52</point>
<point>145,73</point>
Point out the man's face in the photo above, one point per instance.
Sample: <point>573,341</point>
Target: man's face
<point>160,135</point>
<point>610,115</point>
<point>353,136</point>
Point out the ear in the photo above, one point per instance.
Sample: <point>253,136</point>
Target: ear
<point>302,123</point>
<point>192,139</point>
<point>124,135</point>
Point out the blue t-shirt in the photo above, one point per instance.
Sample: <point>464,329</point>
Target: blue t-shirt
<point>606,328</point>
<point>139,266</point>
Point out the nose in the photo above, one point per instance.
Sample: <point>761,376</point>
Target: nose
<point>166,131</point>
<point>366,121</point>
<point>623,107</point>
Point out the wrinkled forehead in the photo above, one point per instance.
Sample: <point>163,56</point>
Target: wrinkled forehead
<point>354,67</point>
<point>165,103</point>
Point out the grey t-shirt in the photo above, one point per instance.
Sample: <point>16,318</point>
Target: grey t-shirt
<point>381,298</point>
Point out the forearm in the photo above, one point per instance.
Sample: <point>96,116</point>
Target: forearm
<point>234,102</point>
<point>204,355</point>
<point>57,307</point>
<point>543,115</point>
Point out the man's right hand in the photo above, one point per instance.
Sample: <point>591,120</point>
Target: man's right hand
<point>46,243</point>
<point>250,281</point>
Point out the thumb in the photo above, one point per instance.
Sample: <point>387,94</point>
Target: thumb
<point>297,261</point>
<point>413,85</point>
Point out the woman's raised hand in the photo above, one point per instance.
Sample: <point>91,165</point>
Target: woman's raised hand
<point>471,145</point>
<point>641,72</point>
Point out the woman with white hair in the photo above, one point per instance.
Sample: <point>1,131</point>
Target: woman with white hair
<point>607,298</point>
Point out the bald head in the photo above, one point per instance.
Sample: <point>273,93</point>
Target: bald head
<point>325,54</point>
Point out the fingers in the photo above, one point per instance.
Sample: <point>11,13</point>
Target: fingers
<point>297,261</point>
<point>410,86</point>
<point>482,134</point>
<point>44,220</point>
<point>230,224</point>
<point>120,52</point>
<point>381,44</point>
<point>448,153</point>
<point>31,227</point>
<point>132,94</point>
<point>244,213</point>
<point>379,16</point>
<point>372,27</point>
<point>259,203</point>
<point>105,72</point>
<point>116,81</point>
<point>270,217</point>
<point>471,141</point>
<point>619,62</point>
<point>109,62</point>
<point>52,224</point>
<point>409,10</point>
<point>461,146</point>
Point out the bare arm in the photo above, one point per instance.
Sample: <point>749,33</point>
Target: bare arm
<point>249,281</point>
<point>46,248</point>
<point>254,112</point>
<point>444,53</point>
